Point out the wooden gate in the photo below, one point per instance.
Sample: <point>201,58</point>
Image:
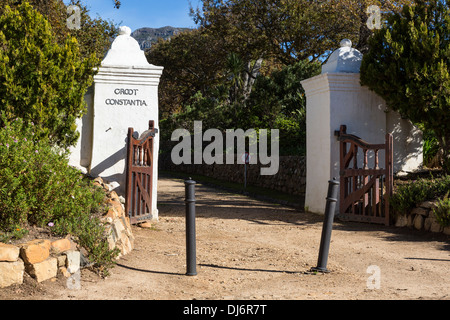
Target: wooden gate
<point>364,192</point>
<point>138,203</point>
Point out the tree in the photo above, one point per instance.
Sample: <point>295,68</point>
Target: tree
<point>278,101</point>
<point>357,13</point>
<point>289,30</point>
<point>42,81</point>
<point>408,65</point>
<point>193,62</point>
<point>94,35</point>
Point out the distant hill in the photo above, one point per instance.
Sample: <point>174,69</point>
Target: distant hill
<point>148,36</point>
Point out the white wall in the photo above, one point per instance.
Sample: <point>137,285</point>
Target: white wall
<point>102,147</point>
<point>335,99</point>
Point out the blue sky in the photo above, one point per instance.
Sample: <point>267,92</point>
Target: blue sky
<point>144,13</point>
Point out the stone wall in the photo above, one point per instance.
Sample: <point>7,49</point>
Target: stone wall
<point>117,223</point>
<point>421,218</point>
<point>43,259</point>
<point>291,177</point>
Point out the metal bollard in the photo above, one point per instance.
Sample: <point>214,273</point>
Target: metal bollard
<point>191,264</point>
<point>332,198</point>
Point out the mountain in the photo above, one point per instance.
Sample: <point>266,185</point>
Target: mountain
<point>147,36</point>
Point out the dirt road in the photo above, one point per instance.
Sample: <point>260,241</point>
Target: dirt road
<point>250,249</point>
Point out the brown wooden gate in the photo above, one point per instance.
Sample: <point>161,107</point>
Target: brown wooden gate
<point>138,203</point>
<point>364,192</point>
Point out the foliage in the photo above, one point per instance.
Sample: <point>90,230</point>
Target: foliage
<point>94,35</point>
<point>290,30</point>
<point>276,102</point>
<point>240,68</point>
<point>37,186</point>
<point>408,66</point>
<point>442,211</point>
<point>193,62</point>
<point>410,194</point>
<point>430,148</point>
<point>40,80</point>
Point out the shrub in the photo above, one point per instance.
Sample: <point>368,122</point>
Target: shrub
<point>408,66</point>
<point>442,211</point>
<point>37,186</point>
<point>408,195</point>
<point>40,80</point>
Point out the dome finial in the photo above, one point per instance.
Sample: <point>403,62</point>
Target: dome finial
<point>124,30</point>
<point>346,43</point>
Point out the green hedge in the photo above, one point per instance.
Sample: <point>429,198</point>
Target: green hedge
<point>38,187</point>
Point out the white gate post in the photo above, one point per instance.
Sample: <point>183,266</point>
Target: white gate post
<point>336,98</point>
<point>124,94</point>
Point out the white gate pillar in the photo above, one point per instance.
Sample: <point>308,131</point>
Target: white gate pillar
<point>336,98</point>
<point>124,95</point>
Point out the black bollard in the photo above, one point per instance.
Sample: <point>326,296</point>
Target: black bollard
<point>191,264</point>
<point>332,198</point>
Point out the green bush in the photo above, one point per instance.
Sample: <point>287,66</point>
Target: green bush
<point>410,194</point>
<point>38,187</point>
<point>42,81</point>
<point>430,146</point>
<point>442,211</point>
<point>408,66</point>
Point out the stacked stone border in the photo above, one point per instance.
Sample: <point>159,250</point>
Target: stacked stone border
<point>44,259</point>
<point>422,218</point>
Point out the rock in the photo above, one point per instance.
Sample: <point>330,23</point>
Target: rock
<point>145,225</point>
<point>64,272</point>
<point>44,270</point>
<point>428,204</point>
<point>127,224</point>
<point>11,273</point>
<point>61,245</point>
<point>409,221</point>
<point>418,222</point>
<point>73,261</point>
<point>436,227</point>
<point>401,221</point>
<point>118,226</point>
<point>116,205</point>
<point>114,195</point>
<point>420,211</point>
<point>434,224</point>
<point>84,261</point>
<point>98,182</point>
<point>35,251</point>
<point>446,231</point>
<point>112,213</point>
<point>113,185</point>
<point>61,260</point>
<point>427,224</point>
<point>8,252</point>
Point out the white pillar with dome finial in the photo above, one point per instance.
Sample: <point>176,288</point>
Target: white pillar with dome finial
<point>336,98</point>
<point>124,94</point>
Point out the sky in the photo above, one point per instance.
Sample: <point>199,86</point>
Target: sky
<point>144,13</point>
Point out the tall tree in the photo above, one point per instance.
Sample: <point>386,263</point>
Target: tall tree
<point>408,65</point>
<point>94,35</point>
<point>41,80</point>
<point>358,13</point>
<point>193,62</point>
<point>291,30</point>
